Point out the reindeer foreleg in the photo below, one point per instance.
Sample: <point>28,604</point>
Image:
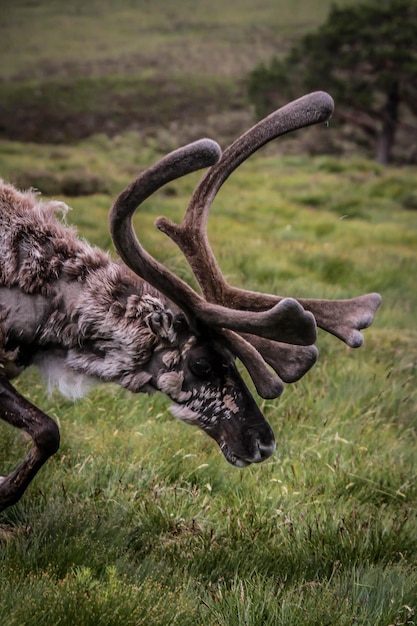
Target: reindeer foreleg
<point>19,412</point>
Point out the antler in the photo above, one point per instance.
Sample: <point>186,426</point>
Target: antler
<point>250,323</point>
<point>267,323</point>
<point>191,235</point>
<point>342,318</point>
<point>285,318</point>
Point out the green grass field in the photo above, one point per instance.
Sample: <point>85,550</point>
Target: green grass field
<point>72,68</point>
<point>138,519</point>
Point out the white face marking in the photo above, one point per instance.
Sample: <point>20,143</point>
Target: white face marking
<point>171,384</point>
<point>230,403</point>
<point>184,414</point>
<point>205,406</point>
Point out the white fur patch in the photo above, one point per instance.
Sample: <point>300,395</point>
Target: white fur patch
<point>72,385</point>
<point>184,414</point>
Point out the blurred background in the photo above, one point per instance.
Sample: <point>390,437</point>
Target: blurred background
<point>175,71</point>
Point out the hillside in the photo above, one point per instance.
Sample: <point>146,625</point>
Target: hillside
<point>70,69</point>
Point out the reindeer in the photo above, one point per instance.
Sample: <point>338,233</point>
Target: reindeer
<point>81,316</point>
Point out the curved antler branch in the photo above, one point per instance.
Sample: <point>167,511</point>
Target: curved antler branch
<point>268,385</point>
<point>286,317</point>
<point>342,318</point>
<point>308,110</point>
<point>191,234</point>
<point>290,362</point>
<point>183,161</point>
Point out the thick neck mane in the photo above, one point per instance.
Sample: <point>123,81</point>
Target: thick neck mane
<point>57,291</point>
<point>36,249</point>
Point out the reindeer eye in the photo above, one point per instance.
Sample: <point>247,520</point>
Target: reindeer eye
<point>201,367</point>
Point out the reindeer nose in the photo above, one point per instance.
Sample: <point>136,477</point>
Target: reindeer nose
<point>264,451</point>
<point>262,444</point>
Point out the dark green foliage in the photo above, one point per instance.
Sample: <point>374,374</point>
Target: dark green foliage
<point>66,110</point>
<point>365,55</point>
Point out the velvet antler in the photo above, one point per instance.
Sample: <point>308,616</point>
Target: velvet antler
<point>342,318</point>
<point>252,324</point>
<point>174,165</point>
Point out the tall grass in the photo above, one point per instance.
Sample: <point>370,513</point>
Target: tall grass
<point>138,520</point>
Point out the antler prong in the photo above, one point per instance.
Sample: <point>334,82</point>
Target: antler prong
<point>262,320</point>
<point>268,385</point>
<point>342,318</point>
<point>190,158</point>
<point>290,362</point>
<point>286,320</point>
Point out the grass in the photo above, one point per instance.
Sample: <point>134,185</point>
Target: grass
<point>138,519</point>
<point>104,66</point>
<point>148,35</point>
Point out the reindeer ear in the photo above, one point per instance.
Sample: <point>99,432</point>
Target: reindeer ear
<point>162,325</point>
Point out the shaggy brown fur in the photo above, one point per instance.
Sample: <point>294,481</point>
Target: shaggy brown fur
<point>37,249</point>
<point>59,292</point>
<point>81,317</point>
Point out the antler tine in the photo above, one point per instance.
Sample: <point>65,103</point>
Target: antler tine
<point>268,385</point>
<point>290,362</point>
<point>191,235</point>
<point>308,110</point>
<point>174,165</point>
<point>342,318</point>
<point>183,161</point>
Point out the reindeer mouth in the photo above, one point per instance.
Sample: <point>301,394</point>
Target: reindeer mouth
<point>231,457</point>
<point>260,449</point>
<point>185,414</point>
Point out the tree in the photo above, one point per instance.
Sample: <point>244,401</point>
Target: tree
<point>365,56</point>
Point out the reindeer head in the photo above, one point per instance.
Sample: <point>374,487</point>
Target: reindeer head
<point>272,336</point>
<point>199,374</point>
